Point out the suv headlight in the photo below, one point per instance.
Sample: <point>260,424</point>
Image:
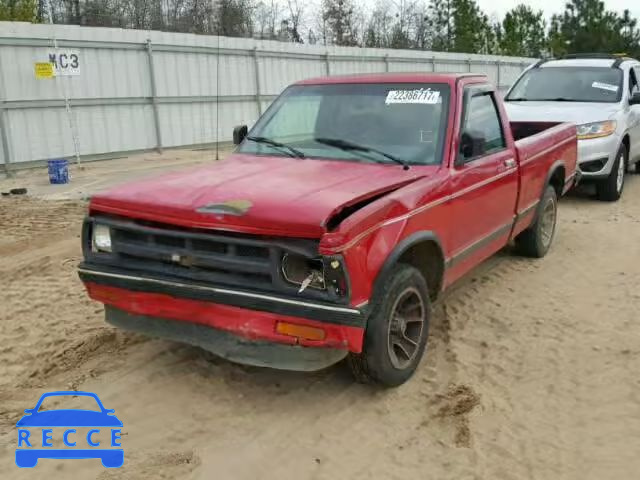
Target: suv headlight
<point>100,238</point>
<point>596,129</point>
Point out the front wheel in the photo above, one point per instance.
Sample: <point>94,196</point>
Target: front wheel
<point>610,189</point>
<point>397,330</point>
<point>536,240</point>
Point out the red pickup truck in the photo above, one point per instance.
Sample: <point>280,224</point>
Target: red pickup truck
<point>342,215</point>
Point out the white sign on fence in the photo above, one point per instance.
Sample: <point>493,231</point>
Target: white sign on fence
<point>65,62</point>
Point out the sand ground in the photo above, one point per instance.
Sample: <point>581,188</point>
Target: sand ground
<point>532,370</point>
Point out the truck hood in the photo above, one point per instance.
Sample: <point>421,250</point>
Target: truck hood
<point>258,194</point>
<point>575,112</point>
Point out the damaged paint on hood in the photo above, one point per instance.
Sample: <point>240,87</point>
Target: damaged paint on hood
<point>286,196</point>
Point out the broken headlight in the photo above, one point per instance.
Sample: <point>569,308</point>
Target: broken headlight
<point>303,271</point>
<point>319,273</point>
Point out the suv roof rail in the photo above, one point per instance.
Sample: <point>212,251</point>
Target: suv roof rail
<point>609,56</point>
<point>540,62</point>
<point>617,57</point>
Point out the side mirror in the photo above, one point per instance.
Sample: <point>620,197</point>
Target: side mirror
<point>472,144</point>
<point>635,99</point>
<point>239,133</point>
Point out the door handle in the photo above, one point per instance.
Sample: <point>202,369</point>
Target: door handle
<point>509,163</point>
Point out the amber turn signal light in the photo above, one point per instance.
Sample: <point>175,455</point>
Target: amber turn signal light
<point>300,331</point>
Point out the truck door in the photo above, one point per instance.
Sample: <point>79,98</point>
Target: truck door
<point>485,182</point>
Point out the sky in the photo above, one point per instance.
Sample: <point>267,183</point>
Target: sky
<point>549,7</point>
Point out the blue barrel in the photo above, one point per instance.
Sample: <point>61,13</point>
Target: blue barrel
<point>58,171</point>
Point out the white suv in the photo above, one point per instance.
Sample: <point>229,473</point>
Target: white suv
<point>601,94</point>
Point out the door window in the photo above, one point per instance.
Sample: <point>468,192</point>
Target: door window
<point>482,130</point>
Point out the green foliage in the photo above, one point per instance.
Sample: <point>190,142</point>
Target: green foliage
<point>441,24</point>
<point>587,26</point>
<point>338,17</point>
<point>461,26</point>
<point>523,32</point>
<point>18,10</point>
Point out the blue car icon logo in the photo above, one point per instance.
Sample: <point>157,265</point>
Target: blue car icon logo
<point>36,433</point>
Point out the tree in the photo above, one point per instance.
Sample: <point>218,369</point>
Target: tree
<point>441,23</point>
<point>472,32</point>
<point>421,26</point>
<point>18,10</point>
<point>378,30</point>
<point>294,20</point>
<point>267,16</point>
<point>586,26</point>
<point>233,18</point>
<point>339,19</point>
<point>523,32</point>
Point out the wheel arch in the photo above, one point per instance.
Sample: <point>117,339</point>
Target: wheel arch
<point>556,178</point>
<point>626,141</point>
<point>422,250</point>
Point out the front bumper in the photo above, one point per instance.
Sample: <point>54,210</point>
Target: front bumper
<point>248,318</point>
<point>596,156</point>
<point>237,349</point>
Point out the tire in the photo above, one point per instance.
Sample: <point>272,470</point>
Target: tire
<point>393,348</point>
<point>610,189</point>
<point>536,240</point>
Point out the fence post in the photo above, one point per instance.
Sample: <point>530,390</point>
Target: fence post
<point>469,65</point>
<point>498,80</point>
<point>326,63</point>
<point>5,142</point>
<point>386,63</point>
<point>4,137</point>
<point>154,96</point>
<point>433,64</point>
<point>256,67</point>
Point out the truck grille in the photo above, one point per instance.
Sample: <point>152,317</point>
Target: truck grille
<point>220,258</point>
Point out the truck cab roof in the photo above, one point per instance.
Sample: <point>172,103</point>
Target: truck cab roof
<point>399,77</point>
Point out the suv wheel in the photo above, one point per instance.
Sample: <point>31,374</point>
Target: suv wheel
<point>397,330</point>
<point>536,240</point>
<point>610,189</point>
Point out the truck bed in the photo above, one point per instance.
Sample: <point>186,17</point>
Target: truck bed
<point>540,146</point>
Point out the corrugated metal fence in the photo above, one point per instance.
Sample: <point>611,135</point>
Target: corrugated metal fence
<point>137,90</point>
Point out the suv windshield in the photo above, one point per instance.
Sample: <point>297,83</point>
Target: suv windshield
<point>388,123</point>
<point>569,84</point>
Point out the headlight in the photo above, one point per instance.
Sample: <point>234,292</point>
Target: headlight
<point>303,271</point>
<point>596,129</point>
<point>101,238</point>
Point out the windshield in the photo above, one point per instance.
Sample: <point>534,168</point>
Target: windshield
<point>572,84</point>
<point>393,122</point>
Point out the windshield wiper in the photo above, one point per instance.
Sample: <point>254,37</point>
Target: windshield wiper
<point>293,152</point>
<point>517,99</point>
<point>347,145</point>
